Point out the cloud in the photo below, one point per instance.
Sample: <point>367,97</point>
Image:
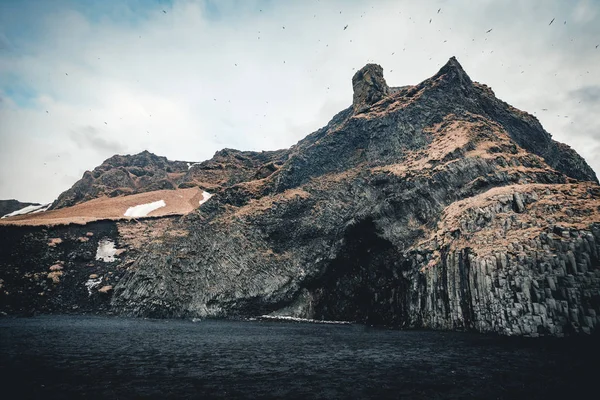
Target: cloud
<point>88,137</point>
<point>207,75</point>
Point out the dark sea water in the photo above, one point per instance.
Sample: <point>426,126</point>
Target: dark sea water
<point>101,357</point>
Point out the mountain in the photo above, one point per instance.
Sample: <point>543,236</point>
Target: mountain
<point>145,172</point>
<point>428,206</point>
<point>9,206</point>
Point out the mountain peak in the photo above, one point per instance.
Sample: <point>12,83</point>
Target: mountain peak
<point>369,87</point>
<point>453,71</point>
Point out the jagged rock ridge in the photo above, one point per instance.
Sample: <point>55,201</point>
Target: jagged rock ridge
<point>146,172</point>
<point>434,205</point>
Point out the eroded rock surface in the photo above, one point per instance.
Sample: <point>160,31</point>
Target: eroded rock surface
<point>427,206</point>
<point>147,172</point>
<point>369,87</point>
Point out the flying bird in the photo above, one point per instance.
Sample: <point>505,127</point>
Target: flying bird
<point>429,20</point>
<point>439,9</point>
<point>346,27</point>
<point>597,45</point>
<point>164,11</point>
<point>46,111</point>
<point>284,27</point>
<point>66,74</point>
<point>487,31</point>
<point>105,123</point>
<point>551,21</point>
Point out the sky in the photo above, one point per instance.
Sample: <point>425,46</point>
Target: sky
<point>82,80</point>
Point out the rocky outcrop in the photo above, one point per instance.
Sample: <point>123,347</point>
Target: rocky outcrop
<point>229,167</point>
<point>374,218</point>
<point>122,175</point>
<point>369,87</point>
<point>427,206</point>
<point>146,172</point>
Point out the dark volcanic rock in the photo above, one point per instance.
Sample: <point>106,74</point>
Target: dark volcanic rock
<point>433,206</point>
<point>8,206</point>
<point>146,172</point>
<point>59,269</point>
<point>369,87</point>
<point>427,206</point>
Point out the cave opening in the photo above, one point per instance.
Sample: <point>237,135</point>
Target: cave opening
<point>364,283</point>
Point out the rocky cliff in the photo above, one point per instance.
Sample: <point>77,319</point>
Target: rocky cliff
<point>427,206</point>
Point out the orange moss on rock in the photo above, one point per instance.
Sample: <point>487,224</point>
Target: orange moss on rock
<point>261,205</point>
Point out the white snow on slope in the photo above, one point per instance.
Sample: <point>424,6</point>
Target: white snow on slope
<point>205,197</point>
<point>106,250</point>
<point>144,209</point>
<point>42,209</point>
<point>92,283</point>
<point>28,210</point>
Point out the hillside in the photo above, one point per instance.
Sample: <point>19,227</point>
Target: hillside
<point>10,206</point>
<point>428,206</point>
<point>176,202</point>
<point>123,175</point>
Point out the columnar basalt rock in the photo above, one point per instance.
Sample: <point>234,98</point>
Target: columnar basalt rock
<point>428,206</point>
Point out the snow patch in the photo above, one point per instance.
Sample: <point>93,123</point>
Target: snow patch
<point>28,210</point>
<point>205,197</point>
<point>92,283</point>
<point>296,319</point>
<point>42,209</point>
<point>144,209</point>
<point>106,250</point>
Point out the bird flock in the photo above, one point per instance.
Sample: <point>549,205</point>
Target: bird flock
<point>345,28</point>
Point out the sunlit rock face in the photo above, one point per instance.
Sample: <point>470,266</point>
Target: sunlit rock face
<point>433,205</point>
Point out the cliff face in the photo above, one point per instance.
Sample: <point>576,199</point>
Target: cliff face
<point>435,205</point>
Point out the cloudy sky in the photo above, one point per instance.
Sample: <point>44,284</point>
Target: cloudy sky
<point>81,80</point>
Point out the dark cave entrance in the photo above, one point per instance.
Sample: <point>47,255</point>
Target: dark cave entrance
<point>364,283</point>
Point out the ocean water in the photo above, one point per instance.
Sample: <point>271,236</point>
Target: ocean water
<point>69,357</point>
